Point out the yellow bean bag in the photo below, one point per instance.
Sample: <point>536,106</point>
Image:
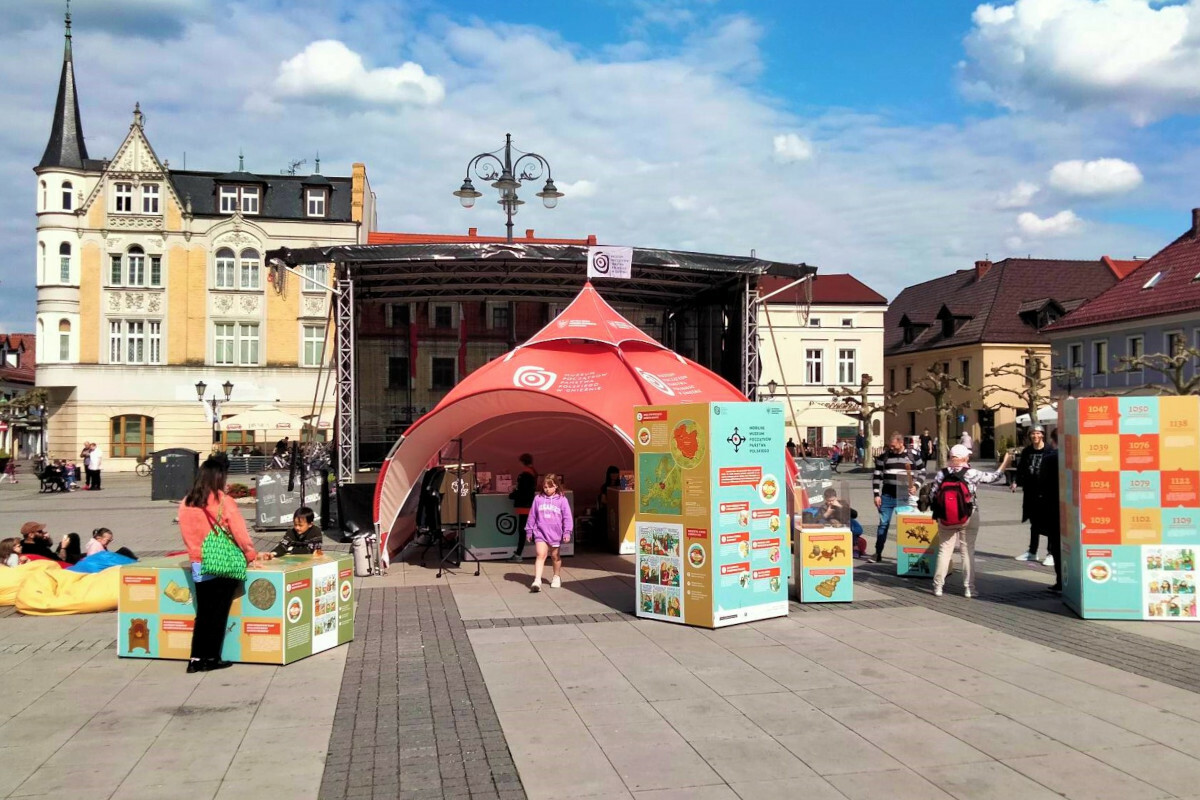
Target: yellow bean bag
<point>11,578</point>
<point>59,591</point>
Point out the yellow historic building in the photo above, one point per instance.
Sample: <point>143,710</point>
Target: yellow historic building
<point>151,279</point>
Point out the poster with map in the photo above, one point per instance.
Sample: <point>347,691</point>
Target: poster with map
<point>711,543</point>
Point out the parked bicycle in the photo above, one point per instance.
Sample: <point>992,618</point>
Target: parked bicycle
<point>144,467</point>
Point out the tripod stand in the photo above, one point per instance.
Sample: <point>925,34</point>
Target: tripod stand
<point>458,551</point>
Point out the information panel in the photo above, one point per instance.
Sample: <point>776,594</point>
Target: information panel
<point>1129,472</point>
<point>712,543</point>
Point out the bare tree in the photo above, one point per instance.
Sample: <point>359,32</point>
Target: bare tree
<point>859,397</point>
<point>1028,387</point>
<point>1172,367</point>
<point>939,384</point>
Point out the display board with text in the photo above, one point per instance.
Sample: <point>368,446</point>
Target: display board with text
<point>1129,477</point>
<point>287,609</point>
<point>916,542</point>
<point>823,558</point>
<point>711,512</point>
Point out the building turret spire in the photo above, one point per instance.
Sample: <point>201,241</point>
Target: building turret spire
<point>66,147</point>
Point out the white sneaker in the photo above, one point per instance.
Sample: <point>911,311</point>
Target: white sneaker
<point>535,587</point>
<point>969,593</point>
<point>1027,557</point>
<point>555,582</point>
<point>937,592</point>
<point>1048,561</point>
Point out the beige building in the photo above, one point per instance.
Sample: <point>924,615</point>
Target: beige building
<point>151,279</point>
<point>971,322</point>
<point>805,350</point>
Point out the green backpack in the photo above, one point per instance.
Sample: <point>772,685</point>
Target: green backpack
<point>220,556</point>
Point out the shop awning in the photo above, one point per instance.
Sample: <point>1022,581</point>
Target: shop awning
<point>263,418</point>
<point>818,416</point>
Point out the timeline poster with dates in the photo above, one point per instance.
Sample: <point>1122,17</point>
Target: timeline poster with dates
<point>712,543</point>
<point>1129,468</point>
<point>288,608</point>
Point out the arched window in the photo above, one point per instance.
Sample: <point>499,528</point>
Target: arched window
<point>66,195</point>
<point>132,436</point>
<point>42,262</point>
<point>44,200</point>
<point>64,263</point>
<point>249,264</point>
<point>64,340</point>
<point>136,273</point>
<point>225,269</point>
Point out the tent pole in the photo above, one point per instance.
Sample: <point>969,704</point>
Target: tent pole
<point>751,367</point>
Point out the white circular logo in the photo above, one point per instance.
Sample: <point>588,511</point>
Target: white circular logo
<point>655,381</point>
<point>534,378</point>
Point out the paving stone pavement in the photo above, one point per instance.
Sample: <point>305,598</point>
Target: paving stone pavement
<point>414,719</point>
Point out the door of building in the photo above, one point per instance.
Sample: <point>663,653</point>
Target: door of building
<point>987,433</point>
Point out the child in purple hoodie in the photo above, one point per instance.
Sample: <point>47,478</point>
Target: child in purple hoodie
<point>549,525</point>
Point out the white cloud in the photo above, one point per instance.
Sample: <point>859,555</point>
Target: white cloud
<point>330,69</point>
<point>689,203</point>
<point>1061,224</point>
<point>1017,197</point>
<point>1103,176</point>
<point>790,147</point>
<point>1140,57</point>
<point>578,189</point>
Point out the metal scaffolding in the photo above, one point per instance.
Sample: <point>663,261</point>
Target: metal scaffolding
<point>347,440</point>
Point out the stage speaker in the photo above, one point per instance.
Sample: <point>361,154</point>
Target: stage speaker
<point>356,511</point>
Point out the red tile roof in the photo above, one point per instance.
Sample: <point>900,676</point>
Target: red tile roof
<point>1122,268</point>
<point>989,306</point>
<point>841,289</point>
<point>381,237</point>
<point>24,344</point>
<point>1178,290</point>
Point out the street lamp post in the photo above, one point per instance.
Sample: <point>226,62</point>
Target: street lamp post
<point>1067,379</point>
<point>214,403</point>
<point>506,176</point>
<point>42,429</point>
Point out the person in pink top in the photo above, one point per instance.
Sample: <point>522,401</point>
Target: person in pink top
<point>207,505</point>
<point>549,526</point>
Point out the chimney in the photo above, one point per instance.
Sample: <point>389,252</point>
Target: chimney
<point>529,233</point>
<point>472,232</point>
<point>1195,222</point>
<point>981,269</point>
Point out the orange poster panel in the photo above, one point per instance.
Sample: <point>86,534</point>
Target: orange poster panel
<point>1180,488</point>
<point>1139,453</point>
<point>1101,522</point>
<point>1098,415</point>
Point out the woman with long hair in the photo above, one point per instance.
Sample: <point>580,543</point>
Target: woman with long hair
<point>208,508</point>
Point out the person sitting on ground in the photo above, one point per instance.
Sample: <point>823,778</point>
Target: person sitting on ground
<point>101,539</point>
<point>10,552</point>
<point>69,549</point>
<point>831,509</point>
<point>36,542</point>
<point>304,537</point>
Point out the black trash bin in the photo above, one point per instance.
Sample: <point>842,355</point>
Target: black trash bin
<point>174,473</point>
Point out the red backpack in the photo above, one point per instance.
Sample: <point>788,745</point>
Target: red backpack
<point>953,504</point>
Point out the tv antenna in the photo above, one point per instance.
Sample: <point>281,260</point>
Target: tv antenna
<point>293,166</point>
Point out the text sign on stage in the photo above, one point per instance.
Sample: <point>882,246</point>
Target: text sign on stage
<point>610,262</point>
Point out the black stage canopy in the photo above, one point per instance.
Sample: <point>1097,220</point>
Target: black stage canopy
<point>530,271</point>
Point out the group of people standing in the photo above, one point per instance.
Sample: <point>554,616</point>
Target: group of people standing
<point>92,458</point>
<point>899,468</point>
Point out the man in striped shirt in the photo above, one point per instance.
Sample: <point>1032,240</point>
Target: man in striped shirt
<point>893,476</point>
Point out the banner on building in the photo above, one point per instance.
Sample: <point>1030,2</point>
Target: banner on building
<point>610,262</point>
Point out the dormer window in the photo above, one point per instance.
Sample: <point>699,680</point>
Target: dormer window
<point>123,198</point>
<point>243,197</point>
<point>314,202</point>
<point>1047,316</point>
<point>150,198</point>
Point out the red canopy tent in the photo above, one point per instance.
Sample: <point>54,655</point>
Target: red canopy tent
<point>566,396</point>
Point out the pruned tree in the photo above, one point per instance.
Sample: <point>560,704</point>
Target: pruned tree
<point>866,409</point>
<point>27,401</point>
<point>1027,388</point>
<point>1174,368</point>
<point>939,385</point>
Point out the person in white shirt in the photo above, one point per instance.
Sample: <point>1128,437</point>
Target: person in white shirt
<point>97,461</point>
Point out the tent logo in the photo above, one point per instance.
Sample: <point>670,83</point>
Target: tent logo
<point>600,263</point>
<point>655,381</point>
<point>534,378</point>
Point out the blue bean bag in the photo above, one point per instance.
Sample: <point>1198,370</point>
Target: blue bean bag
<point>101,561</point>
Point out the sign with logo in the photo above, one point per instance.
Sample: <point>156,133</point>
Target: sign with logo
<point>610,262</point>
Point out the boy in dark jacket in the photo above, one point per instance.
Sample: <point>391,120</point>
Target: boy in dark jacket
<point>303,538</point>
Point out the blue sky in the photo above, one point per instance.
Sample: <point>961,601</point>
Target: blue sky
<point>896,141</point>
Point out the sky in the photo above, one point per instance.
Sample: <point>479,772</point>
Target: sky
<point>894,141</point>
